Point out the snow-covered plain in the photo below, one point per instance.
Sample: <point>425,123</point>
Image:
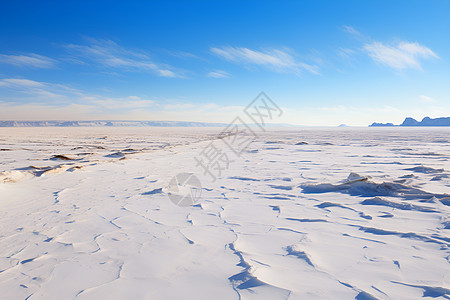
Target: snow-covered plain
<point>342,213</point>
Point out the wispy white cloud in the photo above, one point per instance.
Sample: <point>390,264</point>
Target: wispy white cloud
<point>199,107</point>
<point>427,99</point>
<point>346,53</point>
<point>403,55</point>
<point>351,30</point>
<point>44,111</point>
<point>36,91</point>
<point>30,60</point>
<point>280,60</point>
<point>33,92</point>
<point>400,55</point>
<point>218,74</point>
<point>19,82</point>
<point>356,34</point>
<point>130,102</point>
<point>89,111</point>
<point>109,54</point>
<point>179,106</point>
<point>183,54</point>
<point>33,100</point>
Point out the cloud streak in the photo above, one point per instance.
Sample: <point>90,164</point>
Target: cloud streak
<point>279,60</point>
<point>35,91</point>
<point>109,54</point>
<point>427,99</point>
<point>400,56</point>
<point>32,92</point>
<point>218,74</point>
<point>352,31</point>
<point>31,60</point>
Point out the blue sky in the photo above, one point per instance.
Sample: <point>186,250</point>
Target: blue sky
<point>323,62</point>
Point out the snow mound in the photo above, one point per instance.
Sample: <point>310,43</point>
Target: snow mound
<point>356,185</point>
<point>13,176</point>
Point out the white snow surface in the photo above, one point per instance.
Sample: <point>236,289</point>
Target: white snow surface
<point>304,213</point>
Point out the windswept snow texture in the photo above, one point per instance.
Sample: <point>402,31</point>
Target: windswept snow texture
<point>342,213</point>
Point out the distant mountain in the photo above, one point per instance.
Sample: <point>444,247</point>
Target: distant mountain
<point>410,122</point>
<point>374,124</point>
<point>427,121</point>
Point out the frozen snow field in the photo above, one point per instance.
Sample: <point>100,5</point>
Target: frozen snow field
<point>304,213</point>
